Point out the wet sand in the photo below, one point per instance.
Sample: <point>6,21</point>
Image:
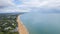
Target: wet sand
<point>21,28</point>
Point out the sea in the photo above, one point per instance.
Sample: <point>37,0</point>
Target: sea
<point>41,23</point>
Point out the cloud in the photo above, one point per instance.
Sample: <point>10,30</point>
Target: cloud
<point>39,3</point>
<point>35,3</point>
<point>49,5</point>
<point>27,5</point>
<point>53,3</point>
<point>6,3</point>
<point>10,6</point>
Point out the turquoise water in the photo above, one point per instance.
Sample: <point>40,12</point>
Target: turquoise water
<point>40,23</point>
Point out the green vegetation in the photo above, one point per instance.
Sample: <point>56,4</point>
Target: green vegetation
<point>7,24</point>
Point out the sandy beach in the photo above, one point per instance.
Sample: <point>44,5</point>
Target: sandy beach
<point>21,28</point>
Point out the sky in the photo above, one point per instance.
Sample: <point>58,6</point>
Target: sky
<point>30,5</point>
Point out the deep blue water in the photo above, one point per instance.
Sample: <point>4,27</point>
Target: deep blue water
<point>42,23</point>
